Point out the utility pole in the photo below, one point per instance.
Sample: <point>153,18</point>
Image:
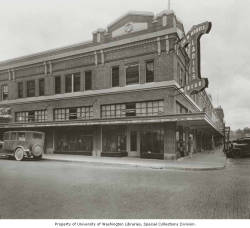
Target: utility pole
<point>169,3</point>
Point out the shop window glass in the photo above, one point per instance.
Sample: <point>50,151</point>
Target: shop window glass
<point>114,140</point>
<point>73,142</point>
<point>152,141</point>
<point>133,141</point>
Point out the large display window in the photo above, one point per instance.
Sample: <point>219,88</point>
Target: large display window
<point>76,142</point>
<point>114,141</point>
<point>152,144</point>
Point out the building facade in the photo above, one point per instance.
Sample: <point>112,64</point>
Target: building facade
<point>120,94</point>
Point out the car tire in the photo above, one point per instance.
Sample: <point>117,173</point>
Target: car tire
<point>19,154</point>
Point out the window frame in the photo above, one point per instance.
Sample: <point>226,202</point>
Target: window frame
<point>41,90</point>
<point>147,62</point>
<point>20,88</point>
<point>139,76</point>
<point>5,95</point>
<point>113,67</point>
<point>85,80</point>
<point>56,86</point>
<point>33,116</point>
<point>31,89</point>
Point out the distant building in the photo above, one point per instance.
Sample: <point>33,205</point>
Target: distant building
<point>120,94</point>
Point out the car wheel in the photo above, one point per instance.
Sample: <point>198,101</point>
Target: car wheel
<point>19,154</point>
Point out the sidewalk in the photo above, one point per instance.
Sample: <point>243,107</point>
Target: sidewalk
<point>212,160</point>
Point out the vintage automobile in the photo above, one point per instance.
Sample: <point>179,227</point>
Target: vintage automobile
<point>239,148</point>
<point>21,144</point>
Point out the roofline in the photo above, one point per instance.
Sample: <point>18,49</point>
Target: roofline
<point>51,55</point>
<point>139,13</point>
<point>37,54</point>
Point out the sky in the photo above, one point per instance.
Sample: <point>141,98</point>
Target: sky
<point>30,26</point>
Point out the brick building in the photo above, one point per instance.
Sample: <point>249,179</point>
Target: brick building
<point>119,94</point>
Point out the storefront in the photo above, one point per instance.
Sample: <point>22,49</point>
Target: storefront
<point>73,141</point>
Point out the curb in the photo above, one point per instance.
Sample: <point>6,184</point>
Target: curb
<point>143,166</point>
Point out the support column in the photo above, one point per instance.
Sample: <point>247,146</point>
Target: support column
<point>97,142</point>
<point>128,141</point>
<point>170,141</point>
<point>138,143</point>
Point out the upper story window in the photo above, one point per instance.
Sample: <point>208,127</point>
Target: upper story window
<point>31,88</point>
<point>88,80</point>
<point>20,89</point>
<point>72,83</point>
<point>57,84</point>
<point>74,113</point>
<point>41,87</point>
<point>115,76</point>
<point>132,74</point>
<point>31,116</point>
<point>147,108</point>
<point>150,71</point>
<point>5,92</point>
<point>77,82</point>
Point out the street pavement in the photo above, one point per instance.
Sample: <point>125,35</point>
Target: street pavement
<point>57,189</point>
<point>209,160</point>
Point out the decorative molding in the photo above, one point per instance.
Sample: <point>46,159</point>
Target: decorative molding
<point>102,57</point>
<point>45,68</point>
<point>50,68</point>
<point>96,59</point>
<point>13,75</point>
<point>136,13</point>
<point>136,44</point>
<point>159,45</point>
<point>130,27</point>
<point>9,72</point>
<point>167,43</point>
